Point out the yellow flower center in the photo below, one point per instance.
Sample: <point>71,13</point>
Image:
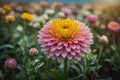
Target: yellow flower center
<point>65,29</point>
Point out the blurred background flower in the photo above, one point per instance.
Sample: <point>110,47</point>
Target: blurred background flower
<point>9,18</point>
<point>10,63</point>
<point>27,16</point>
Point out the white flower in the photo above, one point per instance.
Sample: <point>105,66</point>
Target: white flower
<point>42,20</point>
<point>85,12</point>
<point>49,11</point>
<point>36,60</point>
<point>36,25</point>
<point>19,28</point>
<point>44,16</point>
<point>61,14</point>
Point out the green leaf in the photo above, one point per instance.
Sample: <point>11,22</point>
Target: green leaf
<point>56,75</point>
<point>31,78</point>
<point>76,68</point>
<point>109,60</point>
<point>6,46</point>
<point>81,67</point>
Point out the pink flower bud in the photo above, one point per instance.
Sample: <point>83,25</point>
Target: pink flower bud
<point>10,63</point>
<point>113,26</point>
<point>33,52</point>
<point>92,18</point>
<point>104,40</point>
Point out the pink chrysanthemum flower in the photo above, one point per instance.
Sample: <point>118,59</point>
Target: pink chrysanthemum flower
<point>65,38</point>
<point>113,26</point>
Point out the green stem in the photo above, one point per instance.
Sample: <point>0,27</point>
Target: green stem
<point>47,64</point>
<point>99,56</point>
<point>85,65</point>
<point>65,69</point>
<point>113,37</point>
<point>24,26</point>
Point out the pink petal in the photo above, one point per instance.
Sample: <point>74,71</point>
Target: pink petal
<point>59,47</point>
<point>57,53</point>
<point>68,48</point>
<point>53,48</point>
<point>72,52</point>
<point>69,56</point>
<point>51,43</point>
<point>73,46</point>
<point>64,54</point>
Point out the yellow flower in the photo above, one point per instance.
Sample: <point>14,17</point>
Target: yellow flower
<point>65,28</point>
<point>27,16</point>
<point>7,8</point>
<point>2,11</point>
<point>9,18</point>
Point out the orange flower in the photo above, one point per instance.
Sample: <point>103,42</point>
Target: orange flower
<point>9,18</point>
<point>27,17</point>
<point>7,8</point>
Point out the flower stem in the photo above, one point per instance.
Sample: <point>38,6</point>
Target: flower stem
<point>113,37</point>
<point>65,69</point>
<point>98,59</point>
<point>47,64</point>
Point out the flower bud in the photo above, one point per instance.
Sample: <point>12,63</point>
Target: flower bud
<point>33,52</point>
<point>10,63</point>
<point>104,40</point>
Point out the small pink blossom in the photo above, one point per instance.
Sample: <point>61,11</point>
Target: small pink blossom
<point>92,18</point>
